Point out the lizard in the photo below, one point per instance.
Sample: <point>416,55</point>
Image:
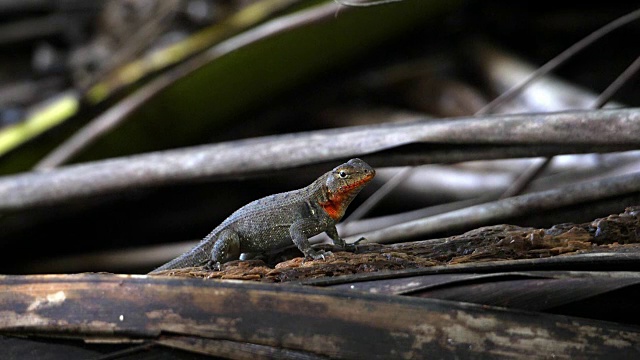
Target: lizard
<point>277,220</point>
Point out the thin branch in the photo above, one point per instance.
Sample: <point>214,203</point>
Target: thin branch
<point>588,130</point>
<point>560,59</point>
<point>380,194</point>
<point>523,181</point>
<point>360,226</point>
<point>502,70</point>
<point>447,155</point>
<point>496,211</point>
<point>146,33</point>
<point>613,88</point>
<point>118,113</point>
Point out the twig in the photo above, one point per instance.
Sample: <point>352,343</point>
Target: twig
<point>380,222</point>
<point>119,112</point>
<point>146,33</point>
<point>503,70</point>
<point>599,129</point>
<point>380,194</point>
<point>523,181</point>
<point>494,212</point>
<point>560,59</point>
<point>613,88</point>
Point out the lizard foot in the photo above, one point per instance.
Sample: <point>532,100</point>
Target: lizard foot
<point>353,247</point>
<point>213,266</point>
<point>359,240</point>
<point>317,254</point>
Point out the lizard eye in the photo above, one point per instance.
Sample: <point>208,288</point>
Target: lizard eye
<point>342,174</point>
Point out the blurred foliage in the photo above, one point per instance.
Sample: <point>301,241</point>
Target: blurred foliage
<point>200,103</point>
<point>206,96</point>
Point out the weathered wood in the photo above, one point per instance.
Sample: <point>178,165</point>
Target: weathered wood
<point>50,349</point>
<point>245,157</point>
<point>526,290</point>
<point>495,211</point>
<point>319,321</point>
<point>232,349</point>
<point>612,238</point>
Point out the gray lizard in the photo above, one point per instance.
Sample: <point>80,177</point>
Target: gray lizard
<point>275,221</point>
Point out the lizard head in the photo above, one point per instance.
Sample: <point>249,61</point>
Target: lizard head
<point>343,183</point>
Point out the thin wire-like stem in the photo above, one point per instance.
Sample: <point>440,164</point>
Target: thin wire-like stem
<point>612,89</point>
<point>496,211</point>
<point>559,60</point>
<point>380,194</point>
<point>523,181</point>
<point>121,111</point>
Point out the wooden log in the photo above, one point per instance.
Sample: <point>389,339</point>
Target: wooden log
<point>309,320</point>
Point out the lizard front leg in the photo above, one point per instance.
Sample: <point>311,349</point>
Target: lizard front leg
<point>338,241</point>
<point>226,248</point>
<point>333,234</point>
<point>299,231</point>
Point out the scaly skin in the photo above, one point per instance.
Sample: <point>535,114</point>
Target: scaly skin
<point>275,221</point>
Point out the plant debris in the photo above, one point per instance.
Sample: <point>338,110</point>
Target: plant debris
<point>490,243</point>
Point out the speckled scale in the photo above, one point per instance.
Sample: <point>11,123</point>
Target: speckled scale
<point>264,224</point>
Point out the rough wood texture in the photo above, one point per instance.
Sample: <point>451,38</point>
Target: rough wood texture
<point>143,315</point>
<point>615,233</point>
<point>303,320</point>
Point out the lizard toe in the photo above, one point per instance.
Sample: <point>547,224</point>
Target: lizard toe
<point>322,255</point>
<point>359,240</point>
<point>317,255</point>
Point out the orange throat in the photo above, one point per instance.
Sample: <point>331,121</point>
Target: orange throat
<point>337,202</point>
<point>333,208</point>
